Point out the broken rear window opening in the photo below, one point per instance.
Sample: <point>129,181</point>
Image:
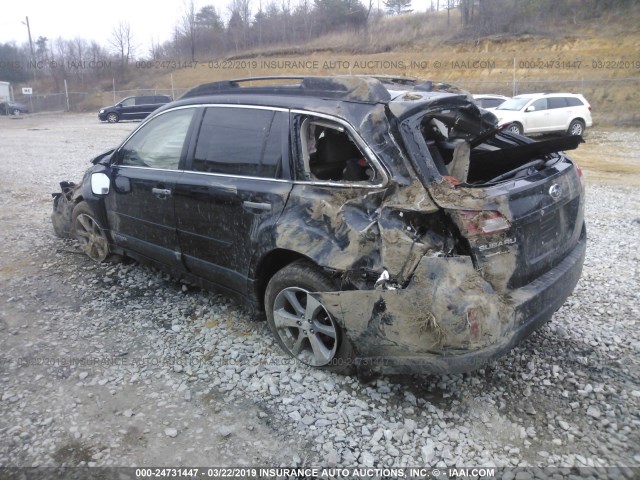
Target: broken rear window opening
<point>465,145</point>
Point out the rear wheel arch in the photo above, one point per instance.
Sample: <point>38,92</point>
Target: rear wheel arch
<point>270,264</point>
<point>573,124</point>
<point>316,338</point>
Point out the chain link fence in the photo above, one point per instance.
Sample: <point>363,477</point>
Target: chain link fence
<point>614,101</point>
<point>86,101</point>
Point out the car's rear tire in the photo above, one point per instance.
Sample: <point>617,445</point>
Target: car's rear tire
<point>113,117</point>
<point>301,325</point>
<point>515,127</point>
<point>89,233</point>
<point>576,127</point>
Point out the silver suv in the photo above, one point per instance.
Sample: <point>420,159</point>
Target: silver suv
<point>545,113</point>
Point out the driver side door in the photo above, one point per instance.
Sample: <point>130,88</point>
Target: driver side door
<point>147,166</point>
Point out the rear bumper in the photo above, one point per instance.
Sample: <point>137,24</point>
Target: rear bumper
<point>459,324</point>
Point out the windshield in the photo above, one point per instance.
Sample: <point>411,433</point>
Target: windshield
<point>514,104</point>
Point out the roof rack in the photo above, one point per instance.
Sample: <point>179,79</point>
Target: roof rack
<point>360,89</point>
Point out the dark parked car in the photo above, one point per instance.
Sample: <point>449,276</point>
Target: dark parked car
<point>133,108</point>
<point>394,231</point>
<point>12,108</point>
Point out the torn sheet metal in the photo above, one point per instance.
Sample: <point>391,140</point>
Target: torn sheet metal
<point>63,205</point>
<point>447,306</point>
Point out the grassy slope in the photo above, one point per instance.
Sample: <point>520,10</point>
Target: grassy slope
<point>426,40</point>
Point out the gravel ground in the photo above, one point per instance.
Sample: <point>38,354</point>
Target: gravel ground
<point>122,365</point>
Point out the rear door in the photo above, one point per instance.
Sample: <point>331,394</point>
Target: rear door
<point>144,106</point>
<point>537,120</point>
<point>234,188</point>
<point>559,113</point>
<point>147,167</point>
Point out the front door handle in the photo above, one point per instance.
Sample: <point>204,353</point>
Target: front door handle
<point>257,206</point>
<point>161,193</point>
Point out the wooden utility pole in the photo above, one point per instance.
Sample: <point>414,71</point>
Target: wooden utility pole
<point>33,55</point>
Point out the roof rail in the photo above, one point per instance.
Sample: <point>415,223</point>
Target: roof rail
<point>342,87</point>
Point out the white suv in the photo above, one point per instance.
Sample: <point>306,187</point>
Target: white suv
<point>545,113</point>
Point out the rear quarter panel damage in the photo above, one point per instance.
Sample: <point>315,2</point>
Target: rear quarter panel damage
<point>446,307</point>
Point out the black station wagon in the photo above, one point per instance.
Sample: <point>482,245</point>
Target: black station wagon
<point>377,222</point>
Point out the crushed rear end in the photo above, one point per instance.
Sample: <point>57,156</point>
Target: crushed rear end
<point>517,209</point>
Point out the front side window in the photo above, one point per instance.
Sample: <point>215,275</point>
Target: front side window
<point>159,143</point>
<point>540,104</point>
<point>128,102</point>
<point>241,141</point>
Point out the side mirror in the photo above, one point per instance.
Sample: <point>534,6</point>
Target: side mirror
<point>530,108</point>
<point>100,184</point>
<point>122,184</point>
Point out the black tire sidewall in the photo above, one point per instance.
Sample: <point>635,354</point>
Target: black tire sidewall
<point>112,115</point>
<point>308,277</point>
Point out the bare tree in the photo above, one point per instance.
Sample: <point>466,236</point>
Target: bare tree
<point>122,42</point>
<point>190,27</point>
<point>240,15</point>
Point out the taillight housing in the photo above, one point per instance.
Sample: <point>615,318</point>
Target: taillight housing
<point>483,222</point>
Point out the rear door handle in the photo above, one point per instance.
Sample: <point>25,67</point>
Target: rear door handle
<point>257,206</point>
<point>161,192</point>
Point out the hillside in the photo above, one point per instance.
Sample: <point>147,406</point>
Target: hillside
<point>603,64</point>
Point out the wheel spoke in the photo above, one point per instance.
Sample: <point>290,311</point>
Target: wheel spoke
<point>313,306</point>
<point>320,352</point>
<point>327,330</point>
<point>297,346</point>
<point>294,302</point>
<point>84,234</point>
<point>86,223</point>
<point>282,318</point>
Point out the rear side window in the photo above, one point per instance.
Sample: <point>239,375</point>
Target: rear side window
<point>490,102</point>
<point>574,102</point>
<point>240,141</point>
<point>328,153</point>
<point>144,100</point>
<point>557,102</point>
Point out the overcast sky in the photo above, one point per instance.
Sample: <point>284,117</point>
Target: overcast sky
<point>150,20</point>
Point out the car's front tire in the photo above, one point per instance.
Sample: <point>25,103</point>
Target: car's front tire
<point>576,127</point>
<point>302,326</point>
<point>89,233</point>
<point>16,111</point>
<point>113,117</point>
<point>515,127</point>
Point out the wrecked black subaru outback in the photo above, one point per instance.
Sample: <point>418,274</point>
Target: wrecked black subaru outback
<point>376,222</point>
